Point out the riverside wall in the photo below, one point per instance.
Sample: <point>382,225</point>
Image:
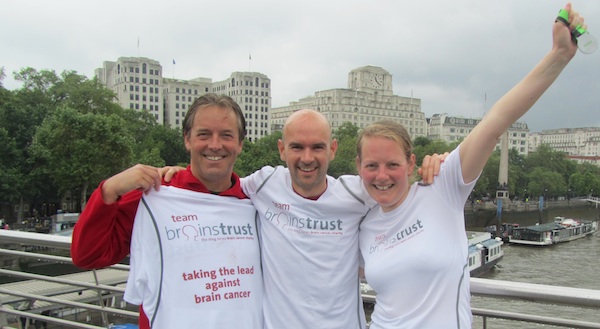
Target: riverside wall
<point>478,215</point>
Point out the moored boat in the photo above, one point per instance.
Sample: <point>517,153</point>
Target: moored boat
<point>506,231</point>
<point>484,252</point>
<point>560,230</point>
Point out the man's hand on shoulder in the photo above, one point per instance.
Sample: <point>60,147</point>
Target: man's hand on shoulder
<point>139,177</point>
<point>431,167</point>
<point>168,172</point>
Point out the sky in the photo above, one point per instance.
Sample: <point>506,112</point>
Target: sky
<point>458,57</point>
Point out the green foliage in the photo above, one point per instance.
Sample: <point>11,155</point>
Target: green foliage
<point>344,162</point>
<point>81,148</point>
<point>555,161</point>
<point>585,180</point>
<point>255,155</point>
<point>76,91</point>
<point>81,136</point>
<point>10,177</point>
<point>2,76</point>
<point>545,182</point>
<point>34,80</point>
<point>170,143</point>
<point>423,146</point>
<point>488,180</point>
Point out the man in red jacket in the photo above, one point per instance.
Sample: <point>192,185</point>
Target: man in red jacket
<point>214,129</point>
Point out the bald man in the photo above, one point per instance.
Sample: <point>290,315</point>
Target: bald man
<point>309,230</point>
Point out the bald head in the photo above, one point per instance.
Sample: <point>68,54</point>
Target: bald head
<point>306,117</point>
<point>307,149</point>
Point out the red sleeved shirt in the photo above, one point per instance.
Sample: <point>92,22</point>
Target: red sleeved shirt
<point>102,235</point>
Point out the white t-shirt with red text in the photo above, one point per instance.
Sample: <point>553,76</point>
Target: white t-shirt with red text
<point>195,261</point>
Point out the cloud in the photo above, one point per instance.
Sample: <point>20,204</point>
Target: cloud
<point>449,54</point>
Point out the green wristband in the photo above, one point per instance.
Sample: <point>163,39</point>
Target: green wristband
<point>563,16</point>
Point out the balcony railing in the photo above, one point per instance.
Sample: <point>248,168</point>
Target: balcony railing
<point>93,299</point>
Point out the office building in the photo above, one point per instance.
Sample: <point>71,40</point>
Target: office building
<point>454,129</point>
<point>368,98</point>
<point>139,85</point>
<point>580,144</point>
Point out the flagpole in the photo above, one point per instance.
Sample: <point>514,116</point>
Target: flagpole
<point>249,60</point>
<point>173,68</point>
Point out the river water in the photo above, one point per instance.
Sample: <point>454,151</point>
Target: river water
<point>571,264</point>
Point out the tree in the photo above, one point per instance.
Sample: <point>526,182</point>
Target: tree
<point>344,162</point>
<point>555,161</point>
<point>78,149</point>
<point>258,154</point>
<point>585,179</point>
<point>76,91</point>
<point>21,112</point>
<point>423,146</point>
<point>170,145</point>
<point>33,79</point>
<point>545,182</point>
<point>10,176</point>
<point>488,180</point>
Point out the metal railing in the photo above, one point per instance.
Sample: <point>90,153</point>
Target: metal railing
<point>96,296</point>
<point>89,299</point>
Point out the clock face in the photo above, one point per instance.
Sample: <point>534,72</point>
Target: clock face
<point>375,80</point>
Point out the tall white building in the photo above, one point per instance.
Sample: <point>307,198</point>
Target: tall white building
<point>139,85</point>
<point>454,129</point>
<point>178,95</point>
<point>580,144</point>
<point>367,98</point>
<point>252,91</point>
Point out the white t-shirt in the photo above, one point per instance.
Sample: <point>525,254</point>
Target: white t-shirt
<point>195,261</point>
<point>416,256</point>
<point>309,250</point>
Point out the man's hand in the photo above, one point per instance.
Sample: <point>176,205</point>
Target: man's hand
<point>139,177</point>
<point>168,172</point>
<point>431,167</point>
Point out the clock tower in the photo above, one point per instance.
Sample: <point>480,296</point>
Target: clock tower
<point>370,79</point>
